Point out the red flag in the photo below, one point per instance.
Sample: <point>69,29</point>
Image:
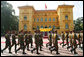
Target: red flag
<point>45,6</point>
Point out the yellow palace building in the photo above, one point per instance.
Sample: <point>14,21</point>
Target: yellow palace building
<point>60,19</point>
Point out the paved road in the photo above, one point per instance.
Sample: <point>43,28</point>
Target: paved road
<point>45,52</point>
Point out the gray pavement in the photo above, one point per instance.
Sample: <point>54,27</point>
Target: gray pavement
<point>45,52</point>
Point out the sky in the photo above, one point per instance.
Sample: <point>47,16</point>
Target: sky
<point>51,5</point>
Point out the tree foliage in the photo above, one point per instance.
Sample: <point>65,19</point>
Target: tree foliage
<point>78,24</point>
<point>8,19</point>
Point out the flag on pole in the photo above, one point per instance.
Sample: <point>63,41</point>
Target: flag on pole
<point>45,6</point>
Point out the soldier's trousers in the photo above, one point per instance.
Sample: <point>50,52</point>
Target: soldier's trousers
<point>40,47</point>
<point>7,45</point>
<point>15,45</point>
<point>79,44</point>
<point>55,48</point>
<point>21,47</point>
<point>62,42</point>
<point>67,42</point>
<point>42,42</point>
<point>69,46</point>
<point>27,44</point>
<point>31,42</point>
<point>49,44</point>
<point>82,44</point>
<point>73,49</point>
<point>37,47</point>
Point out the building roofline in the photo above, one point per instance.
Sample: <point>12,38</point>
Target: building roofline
<point>45,10</point>
<point>24,6</point>
<point>65,5</point>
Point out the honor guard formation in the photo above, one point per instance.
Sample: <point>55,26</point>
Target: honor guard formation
<point>71,39</point>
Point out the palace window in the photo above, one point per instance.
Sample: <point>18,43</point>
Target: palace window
<point>37,19</point>
<point>37,27</point>
<point>53,27</point>
<point>45,19</point>
<point>45,26</point>
<point>25,27</point>
<point>66,26</point>
<point>25,17</point>
<point>41,19</point>
<point>66,17</point>
<point>49,26</point>
<point>41,26</point>
<point>49,19</point>
<point>53,19</point>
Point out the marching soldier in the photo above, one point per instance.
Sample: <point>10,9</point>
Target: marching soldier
<point>27,40</point>
<point>40,40</point>
<point>70,37</point>
<point>62,35</point>
<point>36,42</point>
<point>53,38</point>
<point>21,42</point>
<point>79,38</point>
<point>50,40</point>
<point>74,44</point>
<point>56,38</point>
<point>30,37</point>
<point>18,37</point>
<point>66,37</point>
<point>8,42</point>
<point>14,40</point>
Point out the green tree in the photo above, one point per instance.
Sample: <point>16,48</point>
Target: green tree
<point>78,24</point>
<point>8,18</point>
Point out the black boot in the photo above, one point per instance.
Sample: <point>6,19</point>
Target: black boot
<point>51,51</point>
<point>31,51</point>
<point>75,53</point>
<point>57,52</point>
<point>16,52</point>
<point>41,50</point>
<point>1,51</point>
<point>10,52</point>
<point>71,50</point>
<point>23,53</point>
<point>37,53</point>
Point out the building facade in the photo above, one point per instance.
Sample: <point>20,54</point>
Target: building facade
<point>60,19</point>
